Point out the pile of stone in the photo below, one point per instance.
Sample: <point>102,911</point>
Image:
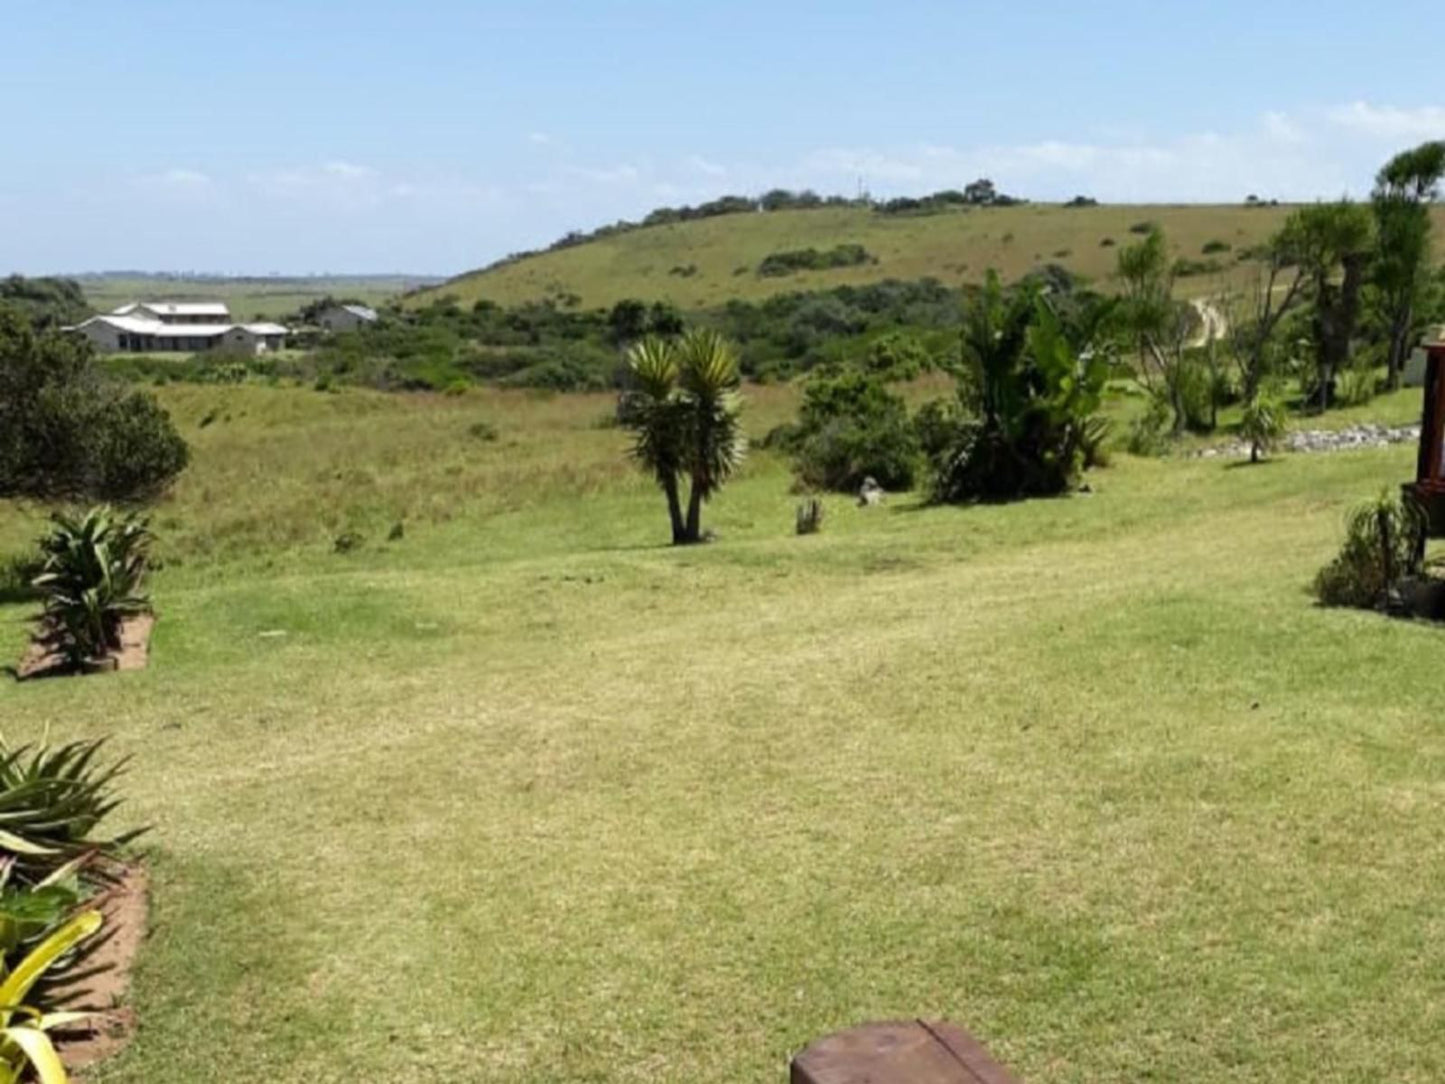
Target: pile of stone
<point>1354,437</point>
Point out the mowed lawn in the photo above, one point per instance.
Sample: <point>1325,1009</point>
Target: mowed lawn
<point>526,796</point>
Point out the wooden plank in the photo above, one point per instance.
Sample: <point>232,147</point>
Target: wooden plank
<point>899,1052</point>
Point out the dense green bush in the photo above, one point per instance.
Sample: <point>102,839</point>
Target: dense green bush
<point>812,259</point>
<point>1149,433</point>
<point>1382,547</point>
<point>851,427</point>
<point>67,431</point>
<point>1029,393</point>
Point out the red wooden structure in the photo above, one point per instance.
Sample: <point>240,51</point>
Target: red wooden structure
<point>1429,485</point>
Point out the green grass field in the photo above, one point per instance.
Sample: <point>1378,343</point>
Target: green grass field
<point>528,796</point>
<point>250,298</point>
<point>957,247</point>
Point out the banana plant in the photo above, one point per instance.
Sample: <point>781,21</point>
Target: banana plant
<point>25,1043</point>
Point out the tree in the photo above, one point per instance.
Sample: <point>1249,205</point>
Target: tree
<point>1333,242</point>
<point>1253,322</point>
<point>1159,326</point>
<point>1403,187</point>
<point>981,191</point>
<point>627,320</point>
<point>67,432</point>
<point>683,410</point>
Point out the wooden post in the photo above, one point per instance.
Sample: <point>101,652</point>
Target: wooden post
<point>899,1052</point>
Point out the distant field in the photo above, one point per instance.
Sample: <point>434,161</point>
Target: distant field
<point>955,247</point>
<point>249,298</point>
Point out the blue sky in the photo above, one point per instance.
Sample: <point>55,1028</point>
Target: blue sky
<point>436,135</point>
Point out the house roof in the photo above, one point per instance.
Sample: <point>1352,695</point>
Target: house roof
<point>139,326</point>
<point>176,308</point>
<point>362,311</point>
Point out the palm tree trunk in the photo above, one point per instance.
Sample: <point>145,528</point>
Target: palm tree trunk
<point>694,515</point>
<point>674,510</point>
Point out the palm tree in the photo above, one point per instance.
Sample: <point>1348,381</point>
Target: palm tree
<point>654,412</point>
<point>709,379</point>
<point>683,410</point>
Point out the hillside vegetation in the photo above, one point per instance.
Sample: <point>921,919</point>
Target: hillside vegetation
<point>707,262</point>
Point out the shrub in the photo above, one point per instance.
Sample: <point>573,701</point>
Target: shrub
<point>1143,227</point>
<point>68,431</point>
<point>1263,424</point>
<point>851,427</point>
<point>486,431</point>
<point>1355,386</point>
<point>897,357</point>
<point>1031,388</point>
<point>810,516</point>
<point>1382,547</point>
<point>1107,242</point>
<point>1212,248</point>
<point>812,259</point>
<point>1149,433</point>
<point>90,581</point>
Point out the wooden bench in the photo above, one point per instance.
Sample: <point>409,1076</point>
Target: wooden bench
<point>899,1052</point>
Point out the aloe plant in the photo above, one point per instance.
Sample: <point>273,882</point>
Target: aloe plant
<point>52,799</point>
<point>25,1043</point>
<point>90,581</point>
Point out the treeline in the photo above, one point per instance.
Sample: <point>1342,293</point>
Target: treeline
<point>45,302</point>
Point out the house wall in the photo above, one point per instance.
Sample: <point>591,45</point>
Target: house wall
<point>105,338</point>
<point>339,320</point>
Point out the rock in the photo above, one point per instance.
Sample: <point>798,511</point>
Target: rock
<point>870,493</point>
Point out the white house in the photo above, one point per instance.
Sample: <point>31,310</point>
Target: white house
<point>180,327</point>
<point>345,317</point>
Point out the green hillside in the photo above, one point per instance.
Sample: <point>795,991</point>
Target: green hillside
<point>957,246</point>
<point>709,261</point>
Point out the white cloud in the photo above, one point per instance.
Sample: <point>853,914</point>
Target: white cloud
<point>540,139</point>
<point>1391,122</point>
<point>1281,127</point>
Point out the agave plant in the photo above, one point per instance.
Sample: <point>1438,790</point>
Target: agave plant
<point>52,799</point>
<point>25,1043</point>
<point>90,581</point>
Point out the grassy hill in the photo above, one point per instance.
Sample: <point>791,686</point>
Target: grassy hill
<point>709,261</point>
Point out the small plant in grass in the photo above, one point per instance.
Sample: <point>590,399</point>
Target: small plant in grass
<point>810,516</point>
<point>1382,547</point>
<point>92,571</point>
<point>1262,425</point>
